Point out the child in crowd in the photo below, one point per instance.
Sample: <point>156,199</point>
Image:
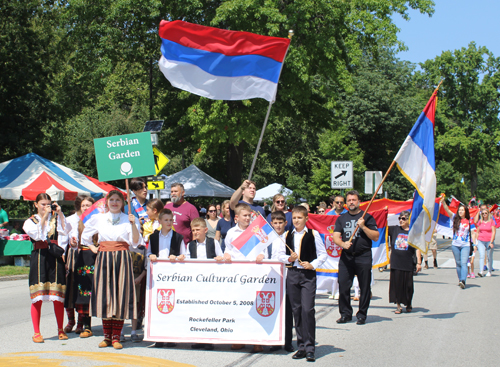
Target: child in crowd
<point>301,280</point>
<point>242,215</point>
<point>166,244</point>
<point>279,223</point>
<point>202,248</point>
<point>153,209</point>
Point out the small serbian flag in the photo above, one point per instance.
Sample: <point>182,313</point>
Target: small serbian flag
<point>98,207</point>
<point>256,238</point>
<point>221,64</point>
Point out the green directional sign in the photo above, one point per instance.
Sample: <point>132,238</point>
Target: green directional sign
<point>124,156</point>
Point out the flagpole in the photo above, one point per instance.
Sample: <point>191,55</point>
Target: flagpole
<point>291,251</point>
<point>260,141</point>
<point>128,196</point>
<point>383,179</point>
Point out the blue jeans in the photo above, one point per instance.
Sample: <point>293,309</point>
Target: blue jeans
<point>490,258</point>
<point>461,255</point>
<point>481,247</point>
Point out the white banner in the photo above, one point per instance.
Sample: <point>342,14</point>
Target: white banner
<point>201,301</point>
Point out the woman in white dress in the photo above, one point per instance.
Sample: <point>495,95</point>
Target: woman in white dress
<point>113,293</point>
<point>47,279</point>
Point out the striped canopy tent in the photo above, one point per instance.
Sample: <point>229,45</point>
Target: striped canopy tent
<point>27,176</point>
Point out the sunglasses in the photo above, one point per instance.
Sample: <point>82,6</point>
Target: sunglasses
<point>402,218</point>
<point>212,211</point>
<point>339,202</point>
<point>280,201</point>
<point>321,211</point>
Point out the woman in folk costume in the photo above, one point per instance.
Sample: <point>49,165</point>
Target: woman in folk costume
<point>80,264</point>
<point>82,203</point>
<point>113,294</point>
<point>47,279</point>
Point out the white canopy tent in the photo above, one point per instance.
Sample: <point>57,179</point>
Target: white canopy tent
<point>269,191</point>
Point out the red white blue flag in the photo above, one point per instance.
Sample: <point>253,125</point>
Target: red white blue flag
<point>221,64</point>
<point>256,238</point>
<point>98,207</point>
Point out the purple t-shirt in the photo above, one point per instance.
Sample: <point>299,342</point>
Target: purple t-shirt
<point>183,215</point>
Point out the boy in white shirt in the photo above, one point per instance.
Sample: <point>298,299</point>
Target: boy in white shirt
<point>279,223</point>
<point>202,247</point>
<point>242,215</point>
<point>166,244</point>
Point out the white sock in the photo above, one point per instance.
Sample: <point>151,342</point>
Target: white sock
<point>133,332</point>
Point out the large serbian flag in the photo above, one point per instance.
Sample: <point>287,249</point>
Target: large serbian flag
<point>325,225</point>
<point>256,238</point>
<point>416,162</point>
<point>221,64</point>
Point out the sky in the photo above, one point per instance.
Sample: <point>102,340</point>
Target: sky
<point>454,24</point>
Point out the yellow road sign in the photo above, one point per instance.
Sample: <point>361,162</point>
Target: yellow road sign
<point>161,160</point>
<point>156,185</point>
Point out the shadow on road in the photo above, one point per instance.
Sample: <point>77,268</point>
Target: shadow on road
<point>442,316</point>
<point>325,350</point>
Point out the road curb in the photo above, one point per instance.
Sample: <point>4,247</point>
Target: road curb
<point>14,277</point>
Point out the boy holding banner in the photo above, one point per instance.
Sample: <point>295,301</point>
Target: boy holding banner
<point>166,244</point>
<point>301,280</point>
<point>279,223</point>
<point>243,215</point>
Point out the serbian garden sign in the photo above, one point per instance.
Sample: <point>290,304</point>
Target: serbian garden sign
<point>201,301</point>
<point>124,156</point>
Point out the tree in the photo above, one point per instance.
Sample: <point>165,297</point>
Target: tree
<point>467,122</point>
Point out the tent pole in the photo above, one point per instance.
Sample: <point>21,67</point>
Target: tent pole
<point>260,140</point>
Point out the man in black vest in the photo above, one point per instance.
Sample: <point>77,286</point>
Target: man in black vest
<point>307,245</point>
<point>356,257</point>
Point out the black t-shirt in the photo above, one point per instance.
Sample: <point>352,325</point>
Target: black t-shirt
<point>402,253</point>
<point>346,224</point>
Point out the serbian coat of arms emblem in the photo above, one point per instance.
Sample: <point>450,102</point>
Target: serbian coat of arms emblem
<point>165,300</point>
<point>331,248</point>
<point>265,303</point>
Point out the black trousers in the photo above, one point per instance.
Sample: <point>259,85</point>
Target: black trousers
<point>288,321</point>
<point>301,289</point>
<point>349,266</point>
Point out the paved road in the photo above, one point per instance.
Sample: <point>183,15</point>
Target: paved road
<point>448,326</point>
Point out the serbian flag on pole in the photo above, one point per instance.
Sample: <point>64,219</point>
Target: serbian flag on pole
<point>221,64</point>
<point>416,162</point>
<point>256,238</point>
<point>98,207</point>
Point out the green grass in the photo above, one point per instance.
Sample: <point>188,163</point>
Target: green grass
<point>13,270</point>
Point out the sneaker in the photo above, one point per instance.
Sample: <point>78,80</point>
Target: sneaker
<point>488,274</point>
<point>337,296</point>
<point>468,275</point>
<point>135,338</point>
<point>472,276</point>
<point>485,268</point>
<point>462,285</point>
<point>480,274</point>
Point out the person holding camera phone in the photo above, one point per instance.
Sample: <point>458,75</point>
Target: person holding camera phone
<point>47,278</point>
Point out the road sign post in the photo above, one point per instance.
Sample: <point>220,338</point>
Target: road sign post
<point>372,181</point>
<point>342,175</point>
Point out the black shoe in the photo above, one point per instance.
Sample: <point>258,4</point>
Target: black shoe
<point>344,319</point>
<point>209,347</point>
<point>198,346</point>
<point>361,322</point>
<point>171,345</point>
<point>158,345</point>
<point>274,348</point>
<point>435,263</point>
<point>310,357</point>
<point>289,348</point>
<point>300,354</point>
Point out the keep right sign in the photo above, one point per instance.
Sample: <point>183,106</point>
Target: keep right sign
<point>342,173</point>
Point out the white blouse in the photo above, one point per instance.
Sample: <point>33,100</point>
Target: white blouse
<point>37,233</point>
<point>102,224</point>
<point>71,230</point>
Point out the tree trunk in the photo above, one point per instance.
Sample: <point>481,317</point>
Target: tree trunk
<point>473,178</point>
<point>234,164</point>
